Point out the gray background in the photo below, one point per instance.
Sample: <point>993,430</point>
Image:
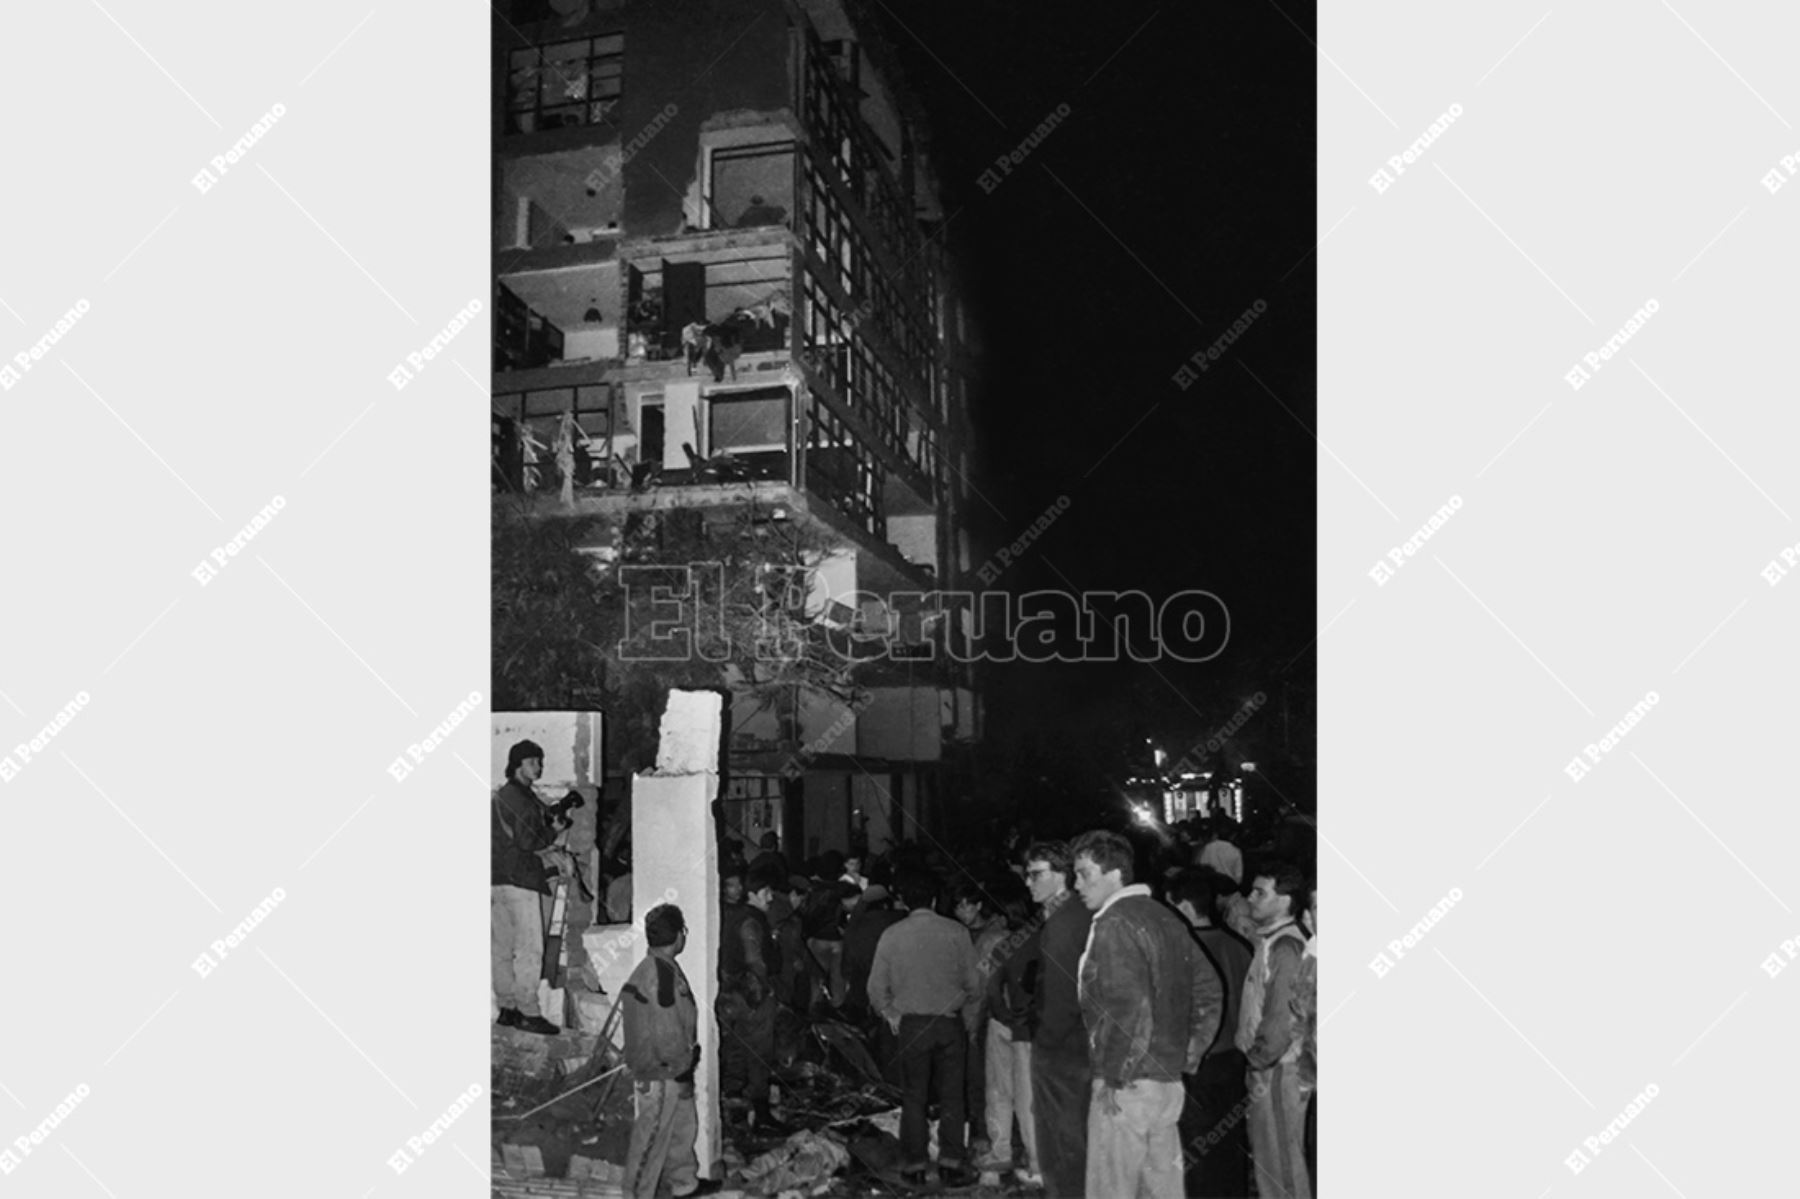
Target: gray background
<point>1611,933</point>
<point>1609,544</point>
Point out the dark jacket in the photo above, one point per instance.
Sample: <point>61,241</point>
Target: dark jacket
<point>796,961</point>
<point>862,936</point>
<point>1012,982</point>
<point>1231,954</point>
<point>1056,1002</point>
<point>519,829</point>
<point>660,1021</point>
<point>1153,1001</point>
<point>822,914</point>
<point>749,961</point>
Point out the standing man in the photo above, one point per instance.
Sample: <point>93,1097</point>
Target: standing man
<point>923,984</point>
<point>661,1050</point>
<point>862,937</point>
<point>1212,1126</point>
<point>796,989</point>
<point>1059,1046</point>
<point>1153,1003</point>
<point>749,967</point>
<point>516,932</point>
<point>1306,1010</point>
<point>1269,1036</point>
<point>974,909</point>
<point>1008,1047</point>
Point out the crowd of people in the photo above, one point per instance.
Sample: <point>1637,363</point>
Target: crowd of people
<point>1096,1017</point>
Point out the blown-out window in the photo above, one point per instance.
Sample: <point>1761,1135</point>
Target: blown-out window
<point>564,83</point>
<point>748,421</point>
<point>751,186</point>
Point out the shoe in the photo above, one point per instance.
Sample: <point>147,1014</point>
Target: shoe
<point>509,1017</point>
<point>915,1177</point>
<point>708,1187</point>
<point>537,1024</point>
<point>957,1176</point>
<point>1028,1178</point>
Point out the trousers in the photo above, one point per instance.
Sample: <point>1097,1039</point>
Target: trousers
<point>1213,1135</point>
<point>1277,1119</point>
<point>746,1045</point>
<point>1135,1151</point>
<point>662,1142</point>
<point>516,947</point>
<point>1060,1090</point>
<point>1009,1095</point>
<point>931,1065</point>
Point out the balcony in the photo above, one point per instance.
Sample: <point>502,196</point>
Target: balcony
<point>720,295</point>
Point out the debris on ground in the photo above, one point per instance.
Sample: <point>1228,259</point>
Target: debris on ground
<point>847,1116</point>
<point>804,1163</point>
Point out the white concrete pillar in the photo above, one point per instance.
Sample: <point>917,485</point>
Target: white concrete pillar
<point>675,859</point>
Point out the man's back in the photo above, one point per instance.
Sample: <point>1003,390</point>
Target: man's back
<point>924,965</point>
<point>1232,955</point>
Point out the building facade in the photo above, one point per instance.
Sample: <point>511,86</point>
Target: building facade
<point>720,282</point>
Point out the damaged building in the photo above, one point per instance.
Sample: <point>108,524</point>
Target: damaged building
<point>720,284</point>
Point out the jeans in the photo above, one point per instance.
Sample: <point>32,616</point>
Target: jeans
<point>1136,1150</point>
<point>1277,1121</point>
<point>1213,1135</point>
<point>1060,1089</point>
<point>516,947</point>
<point>1009,1094</point>
<point>662,1142</point>
<point>931,1065</point>
<point>975,1084</point>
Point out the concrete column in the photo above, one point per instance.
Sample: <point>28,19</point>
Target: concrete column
<point>675,859</point>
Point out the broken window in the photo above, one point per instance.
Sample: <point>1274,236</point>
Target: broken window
<point>752,186</point>
<point>748,421</point>
<point>565,83</point>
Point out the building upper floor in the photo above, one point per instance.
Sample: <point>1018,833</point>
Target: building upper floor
<point>715,263</point>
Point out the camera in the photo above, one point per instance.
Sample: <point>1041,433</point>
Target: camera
<point>558,812</point>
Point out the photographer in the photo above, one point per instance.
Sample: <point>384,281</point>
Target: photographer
<point>521,834</point>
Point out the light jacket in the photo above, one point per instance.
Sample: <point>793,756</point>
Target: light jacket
<point>660,1021</point>
<point>1150,997</point>
<point>1268,1033</point>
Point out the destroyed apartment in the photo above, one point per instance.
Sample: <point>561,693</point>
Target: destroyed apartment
<point>733,367</point>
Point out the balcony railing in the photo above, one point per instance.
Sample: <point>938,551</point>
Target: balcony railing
<point>740,298</point>
<point>575,441</point>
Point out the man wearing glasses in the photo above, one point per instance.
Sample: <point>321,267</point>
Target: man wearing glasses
<point>1059,1046</point>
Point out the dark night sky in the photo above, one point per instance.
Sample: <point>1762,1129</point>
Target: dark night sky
<point>1191,150</point>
